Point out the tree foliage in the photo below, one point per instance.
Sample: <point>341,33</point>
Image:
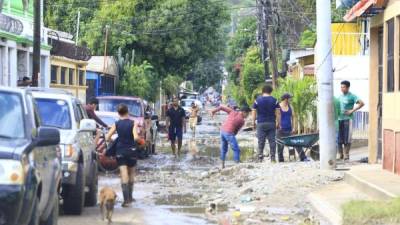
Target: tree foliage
<point>244,38</point>
<point>173,35</point>
<point>140,81</point>
<point>253,73</point>
<point>170,85</point>
<point>206,73</point>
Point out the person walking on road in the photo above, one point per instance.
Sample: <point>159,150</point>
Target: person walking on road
<point>194,111</point>
<point>266,113</point>
<point>229,130</point>
<point>349,103</point>
<point>125,154</point>
<point>286,127</point>
<point>176,125</point>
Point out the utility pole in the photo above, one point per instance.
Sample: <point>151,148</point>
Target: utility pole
<point>105,51</point>
<point>77,27</point>
<point>272,43</point>
<point>264,38</point>
<point>272,53</point>
<point>325,86</point>
<point>36,42</point>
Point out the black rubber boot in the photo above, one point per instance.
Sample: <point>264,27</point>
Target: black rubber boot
<point>125,193</point>
<point>131,199</point>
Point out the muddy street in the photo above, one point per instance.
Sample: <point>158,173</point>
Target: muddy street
<point>178,191</point>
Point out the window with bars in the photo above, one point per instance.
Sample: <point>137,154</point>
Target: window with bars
<point>71,76</point>
<point>54,74</point>
<point>63,75</point>
<point>81,78</point>
<point>390,56</point>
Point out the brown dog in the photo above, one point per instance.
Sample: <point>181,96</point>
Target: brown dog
<point>107,200</point>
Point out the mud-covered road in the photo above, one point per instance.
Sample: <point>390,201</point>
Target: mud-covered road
<point>177,191</point>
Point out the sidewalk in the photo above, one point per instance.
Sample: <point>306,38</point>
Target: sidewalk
<point>361,182</point>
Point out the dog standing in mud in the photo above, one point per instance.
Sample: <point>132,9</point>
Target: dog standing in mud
<point>107,201</point>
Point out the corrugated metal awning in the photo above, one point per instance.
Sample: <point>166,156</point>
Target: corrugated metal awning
<point>364,7</point>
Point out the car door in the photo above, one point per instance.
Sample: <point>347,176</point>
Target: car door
<point>47,163</point>
<point>86,140</point>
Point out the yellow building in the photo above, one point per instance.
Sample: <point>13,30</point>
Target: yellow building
<point>69,75</point>
<point>384,132</point>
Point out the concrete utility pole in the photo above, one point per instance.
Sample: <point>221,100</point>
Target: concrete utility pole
<point>262,15</point>
<point>77,27</point>
<point>36,42</point>
<point>327,141</point>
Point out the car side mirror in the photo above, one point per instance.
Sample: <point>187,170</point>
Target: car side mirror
<point>154,117</point>
<point>47,136</point>
<point>87,125</point>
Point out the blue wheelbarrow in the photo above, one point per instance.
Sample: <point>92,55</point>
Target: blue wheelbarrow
<point>308,142</point>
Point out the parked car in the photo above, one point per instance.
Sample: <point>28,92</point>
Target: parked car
<point>30,170</point>
<point>79,161</point>
<point>137,110</point>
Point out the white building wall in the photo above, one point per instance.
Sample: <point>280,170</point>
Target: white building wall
<point>356,70</point>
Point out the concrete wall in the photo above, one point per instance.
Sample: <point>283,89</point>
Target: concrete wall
<point>356,70</point>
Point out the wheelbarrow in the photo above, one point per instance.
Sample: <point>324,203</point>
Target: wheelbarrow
<point>308,142</point>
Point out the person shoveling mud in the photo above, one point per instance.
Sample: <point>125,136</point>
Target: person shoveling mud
<point>229,130</point>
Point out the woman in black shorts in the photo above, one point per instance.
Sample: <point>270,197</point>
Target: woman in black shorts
<point>125,146</point>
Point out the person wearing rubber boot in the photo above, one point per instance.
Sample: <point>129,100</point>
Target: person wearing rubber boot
<point>125,154</point>
<point>349,103</point>
<point>229,130</point>
<point>267,114</point>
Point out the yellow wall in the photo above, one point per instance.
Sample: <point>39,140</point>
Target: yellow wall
<point>390,100</point>
<point>346,38</point>
<point>78,90</point>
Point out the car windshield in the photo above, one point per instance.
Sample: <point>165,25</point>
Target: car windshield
<point>11,116</point>
<point>111,105</point>
<point>109,120</point>
<point>54,113</point>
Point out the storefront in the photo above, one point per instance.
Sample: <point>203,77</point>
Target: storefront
<point>16,44</point>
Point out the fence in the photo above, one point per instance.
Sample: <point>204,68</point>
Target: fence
<point>360,125</point>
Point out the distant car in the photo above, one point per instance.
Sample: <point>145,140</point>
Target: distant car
<point>30,170</point>
<point>108,106</point>
<point>61,110</point>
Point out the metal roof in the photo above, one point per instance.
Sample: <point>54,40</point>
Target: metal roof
<point>96,64</point>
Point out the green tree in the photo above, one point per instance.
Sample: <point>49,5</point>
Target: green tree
<point>253,73</point>
<point>140,81</point>
<point>243,39</point>
<point>206,73</point>
<point>170,85</point>
<point>62,14</point>
<point>173,35</point>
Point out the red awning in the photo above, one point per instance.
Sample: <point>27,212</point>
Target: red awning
<point>358,9</point>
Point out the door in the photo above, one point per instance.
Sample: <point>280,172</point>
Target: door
<point>380,92</point>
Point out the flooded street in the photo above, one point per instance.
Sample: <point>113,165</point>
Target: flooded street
<point>178,191</point>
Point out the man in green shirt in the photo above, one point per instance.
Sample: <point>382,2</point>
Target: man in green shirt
<point>349,103</point>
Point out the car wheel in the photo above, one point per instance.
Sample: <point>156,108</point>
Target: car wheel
<point>75,196</point>
<point>53,217</point>
<point>35,213</point>
<point>91,197</point>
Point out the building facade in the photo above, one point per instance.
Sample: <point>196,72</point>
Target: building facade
<point>384,132</point>
<point>68,64</point>
<point>102,76</point>
<point>16,44</point>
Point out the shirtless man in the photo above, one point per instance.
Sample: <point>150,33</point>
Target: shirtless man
<point>193,118</point>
